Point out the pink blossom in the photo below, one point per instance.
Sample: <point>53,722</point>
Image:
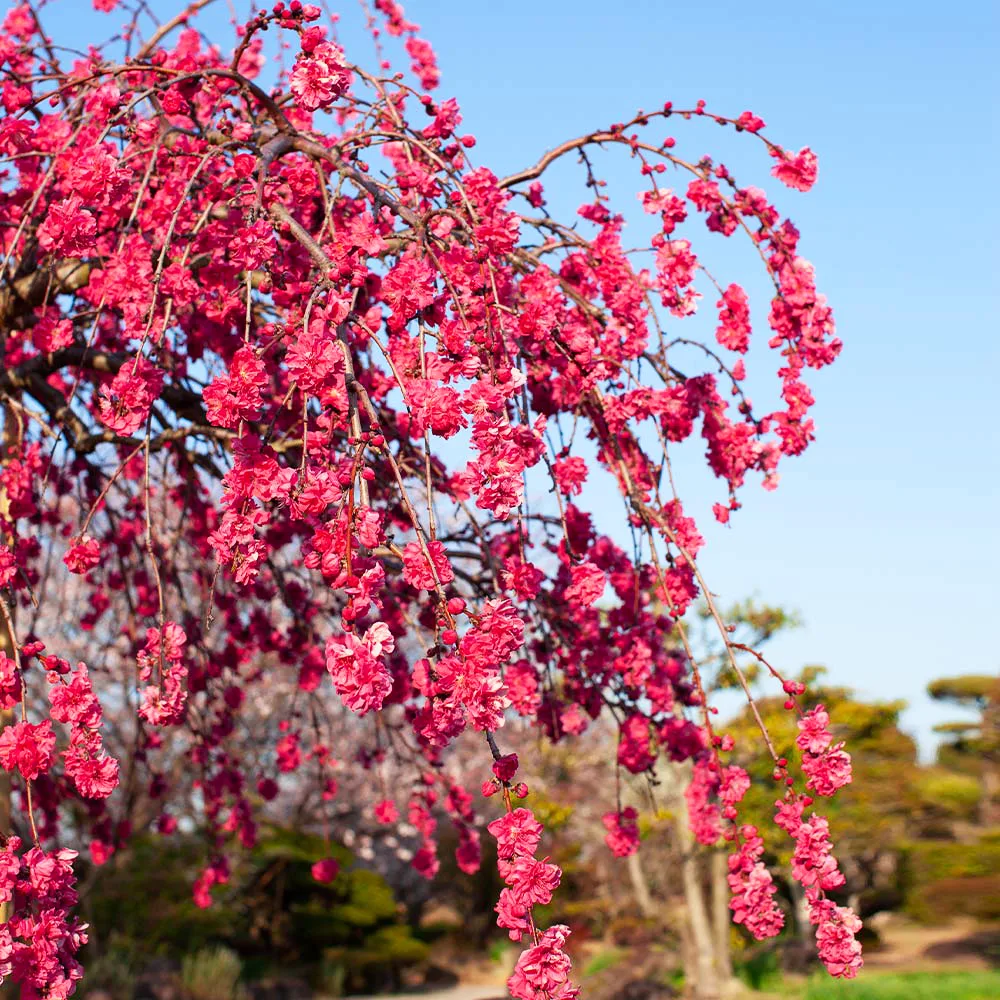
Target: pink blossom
<point>796,170</point>
<point>512,914</point>
<point>734,320</point>
<point>125,405</point>
<point>319,78</point>
<point>417,571</point>
<point>10,868</point>
<point>27,748</point>
<point>814,731</point>
<point>753,888</point>
<point>253,246</point>
<point>836,940</point>
<point>588,583</point>
<point>704,815</point>
<point>542,972</point>
<point>425,861</point>
<point>386,812</point>
<point>813,863</point>
<point>68,229</point>
<point>506,767</point>
<point>570,473</point>
<point>749,121</point>
<point>532,881</point>
<point>517,833</point>
<point>826,765</point>
<point>298,316</point>
<point>634,747</point>
<point>623,832</point>
<point>94,773</point>
<point>236,396</point>
<point>468,854</point>
<point>11,690</point>
<point>753,904</point>
<point>828,771</point>
<point>325,870</point>
<point>316,360</point>
<point>358,673</point>
<point>83,555</point>
<point>74,701</point>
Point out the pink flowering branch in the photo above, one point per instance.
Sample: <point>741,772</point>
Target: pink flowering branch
<point>239,324</point>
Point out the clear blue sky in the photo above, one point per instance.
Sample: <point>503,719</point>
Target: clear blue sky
<point>883,536</point>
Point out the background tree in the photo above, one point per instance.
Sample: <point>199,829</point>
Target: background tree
<point>974,746</point>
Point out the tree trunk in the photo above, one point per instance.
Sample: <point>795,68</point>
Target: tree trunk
<point>640,886</point>
<point>805,951</point>
<point>989,806</point>
<point>721,914</point>
<point>700,964</point>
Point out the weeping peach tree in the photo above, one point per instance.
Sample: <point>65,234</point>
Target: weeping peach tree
<point>307,404</point>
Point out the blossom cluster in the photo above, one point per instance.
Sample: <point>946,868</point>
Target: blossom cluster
<point>39,941</point>
<point>543,969</point>
<point>713,795</point>
<point>815,867</point>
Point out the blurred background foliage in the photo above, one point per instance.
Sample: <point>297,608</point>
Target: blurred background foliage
<point>919,840</point>
<point>271,919</point>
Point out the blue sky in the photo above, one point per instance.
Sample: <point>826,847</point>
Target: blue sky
<point>883,535</point>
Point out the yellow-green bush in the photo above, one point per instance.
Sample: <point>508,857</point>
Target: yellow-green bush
<point>943,878</point>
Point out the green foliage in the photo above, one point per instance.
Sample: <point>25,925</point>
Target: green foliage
<point>286,844</point>
<point>957,795</point>
<point>958,730</point>
<point>114,971</point>
<point>143,898</point>
<point>388,946</point>
<point>970,689</point>
<point>352,923</point>
<point>500,951</point>
<point>755,624</point>
<point>651,823</point>
<point>761,621</point>
<point>973,747</point>
<point>332,976</point>
<point>972,896</point>
<point>606,959</point>
<point>760,970</point>
<point>273,913</point>
<point>944,878</point>
<point>871,813</point>
<point>932,860</point>
<point>212,974</point>
<point>552,815</point>
<point>907,986</point>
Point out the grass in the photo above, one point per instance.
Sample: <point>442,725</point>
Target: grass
<point>906,986</point>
